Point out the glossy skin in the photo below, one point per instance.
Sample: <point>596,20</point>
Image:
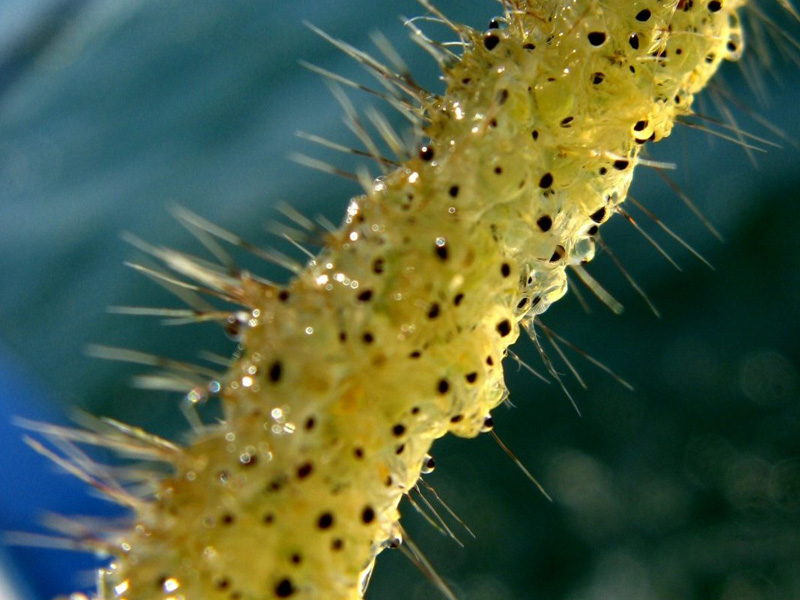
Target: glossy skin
<point>394,335</point>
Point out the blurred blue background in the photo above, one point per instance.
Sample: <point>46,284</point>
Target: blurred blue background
<point>689,487</point>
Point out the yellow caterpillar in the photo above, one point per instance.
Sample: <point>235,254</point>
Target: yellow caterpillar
<point>394,334</point>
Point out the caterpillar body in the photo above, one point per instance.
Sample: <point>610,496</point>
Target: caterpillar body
<point>394,335</point>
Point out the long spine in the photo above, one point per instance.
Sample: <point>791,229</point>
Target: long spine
<point>394,335</point>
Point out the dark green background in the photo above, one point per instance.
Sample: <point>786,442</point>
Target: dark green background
<point>687,488</point>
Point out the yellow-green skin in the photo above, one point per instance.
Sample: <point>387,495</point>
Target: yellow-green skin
<point>395,334</point>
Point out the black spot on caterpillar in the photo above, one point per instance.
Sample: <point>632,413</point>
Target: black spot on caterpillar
<point>448,552</point>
